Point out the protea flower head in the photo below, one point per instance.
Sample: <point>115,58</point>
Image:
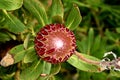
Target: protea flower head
<point>55,43</point>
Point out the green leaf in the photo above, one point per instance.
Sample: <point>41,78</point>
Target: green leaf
<point>95,3</point>
<point>115,73</point>
<point>118,30</point>
<point>79,64</point>
<point>79,46</point>
<point>18,53</point>
<point>10,4</point>
<point>12,35</point>
<point>55,69</point>
<point>46,67</point>
<point>100,76</point>
<point>32,72</point>
<point>4,37</point>
<point>74,18</point>
<point>30,56</point>
<point>90,40</point>
<point>13,24</point>
<point>45,70</point>
<point>79,3</point>
<point>37,10</point>
<point>56,9</point>
<point>96,44</point>
<point>26,41</point>
<point>111,35</point>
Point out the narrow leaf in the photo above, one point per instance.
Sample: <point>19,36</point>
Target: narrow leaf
<point>18,53</point>
<point>4,37</point>
<point>10,4</point>
<point>56,9</point>
<point>55,69</point>
<point>45,70</point>
<point>79,64</point>
<point>32,72</point>
<point>13,24</point>
<point>90,40</point>
<point>74,18</point>
<point>30,56</point>
<point>37,10</point>
<point>110,35</point>
<point>26,41</point>
<point>97,43</point>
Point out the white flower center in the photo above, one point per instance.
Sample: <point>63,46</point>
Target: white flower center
<point>58,43</point>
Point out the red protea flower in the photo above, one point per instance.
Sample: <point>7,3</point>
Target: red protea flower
<point>55,43</point>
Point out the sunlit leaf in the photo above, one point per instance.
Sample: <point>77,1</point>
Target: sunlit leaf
<point>55,10</point>
<point>74,18</point>
<point>18,53</point>
<point>79,64</point>
<point>26,41</point>
<point>13,24</point>
<point>10,4</point>
<point>37,10</point>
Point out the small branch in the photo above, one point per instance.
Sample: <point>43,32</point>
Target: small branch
<point>81,57</point>
<point>104,64</point>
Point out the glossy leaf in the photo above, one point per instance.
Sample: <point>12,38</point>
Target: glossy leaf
<point>10,4</point>
<point>37,10</point>
<point>13,24</point>
<point>56,10</point>
<point>74,18</point>
<point>81,65</point>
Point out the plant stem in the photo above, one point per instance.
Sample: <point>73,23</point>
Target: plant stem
<point>109,65</point>
<point>81,57</point>
<point>17,73</point>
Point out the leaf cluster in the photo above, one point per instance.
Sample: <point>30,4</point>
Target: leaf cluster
<point>96,24</point>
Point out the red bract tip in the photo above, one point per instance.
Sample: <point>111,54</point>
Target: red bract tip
<point>55,43</point>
